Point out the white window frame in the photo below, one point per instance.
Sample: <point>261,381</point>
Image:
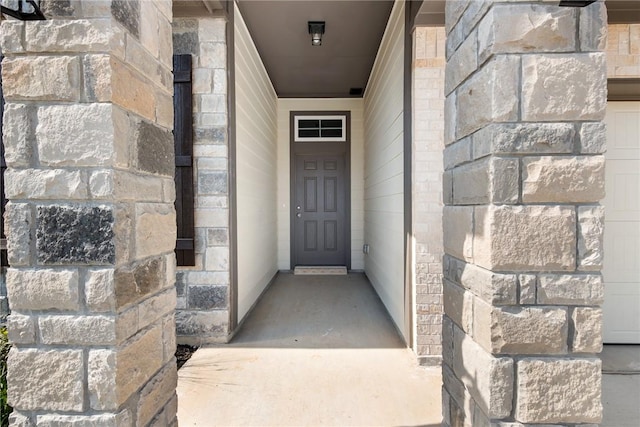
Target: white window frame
<point>340,117</point>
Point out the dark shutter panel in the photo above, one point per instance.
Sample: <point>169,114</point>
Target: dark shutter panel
<point>183,134</point>
<point>3,238</point>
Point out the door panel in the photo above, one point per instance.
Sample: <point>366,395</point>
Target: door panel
<point>319,214</point>
<point>621,272</point>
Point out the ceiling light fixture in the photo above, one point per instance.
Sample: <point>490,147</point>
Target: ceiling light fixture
<point>576,3</point>
<point>316,29</point>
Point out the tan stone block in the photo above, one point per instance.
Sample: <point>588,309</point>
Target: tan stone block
<point>149,27</point>
<point>169,337</point>
<point>17,135</point>
<point>587,330</point>
<point>137,361</point>
<point>100,420</point>
<point>46,380</point>
<point>11,36</point>
<point>494,288</point>
<point>131,92</point>
<point>527,284</point>
<point>156,307</point>
<point>101,378</point>
<point>525,238</point>
<point>133,187</point>
<point>155,229</point>
<point>462,63</point>
<point>44,78</point>
<point>593,138</point>
<point>491,95</point>
<point>21,328</point>
<point>564,87</point>
<point>97,78</point>
<point>43,289</point>
<point>528,330</point>
<point>575,385</point>
<point>63,131</point>
<point>68,35</point>
<point>156,393</point>
<point>44,184</point>
<point>17,227</point>
<point>458,304</point>
<point>471,183</point>
<point>458,231</point>
<point>488,379</point>
<point>101,184</point>
<point>590,237</point>
<point>575,179</point>
<point>524,138</point>
<point>77,330</point>
<point>570,289</point>
<point>593,27</point>
<point>99,290</point>
<point>514,28</point>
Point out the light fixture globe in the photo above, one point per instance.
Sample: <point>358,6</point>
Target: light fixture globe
<point>316,29</point>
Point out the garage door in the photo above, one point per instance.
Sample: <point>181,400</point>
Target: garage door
<point>622,224</point>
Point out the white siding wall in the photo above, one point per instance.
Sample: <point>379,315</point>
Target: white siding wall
<point>285,106</point>
<point>384,169</point>
<point>256,168</point>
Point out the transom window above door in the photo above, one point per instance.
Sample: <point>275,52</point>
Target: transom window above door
<point>320,128</point>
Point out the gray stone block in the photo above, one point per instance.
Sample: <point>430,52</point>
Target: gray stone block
<point>185,43</point>
<point>212,183</point>
<point>127,12</point>
<point>207,297</point>
<point>215,135</point>
<point>73,234</point>
<point>155,149</point>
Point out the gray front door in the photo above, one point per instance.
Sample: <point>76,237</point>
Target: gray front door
<point>320,209</point>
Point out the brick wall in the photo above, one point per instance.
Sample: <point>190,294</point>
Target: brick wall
<point>428,144</point>
<point>203,290</point>
<point>623,50</point>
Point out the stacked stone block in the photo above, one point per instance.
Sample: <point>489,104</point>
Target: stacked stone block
<point>203,290</point>
<point>428,144</point>
<point>525,93</point>
<point>90,222</point>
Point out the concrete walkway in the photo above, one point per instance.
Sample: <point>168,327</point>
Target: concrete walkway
<point>316,351</point>
<point>621,385</point>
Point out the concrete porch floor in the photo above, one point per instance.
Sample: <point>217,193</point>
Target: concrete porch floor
<point>316,351</point>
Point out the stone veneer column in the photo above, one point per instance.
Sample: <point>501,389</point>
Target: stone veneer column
<point>428,143</point>
<point>91,222</point>
<point>526,93</point>
<point>203,290</point>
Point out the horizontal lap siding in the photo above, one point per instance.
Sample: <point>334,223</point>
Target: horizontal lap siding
<point>384,170</point>
<point>256,169</point>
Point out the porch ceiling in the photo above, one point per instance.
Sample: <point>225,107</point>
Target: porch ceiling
<point>354,29</point>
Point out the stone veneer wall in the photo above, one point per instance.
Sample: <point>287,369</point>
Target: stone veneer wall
<point>623,50</point>
<point>522,223</point>
<point>428,145</point>
<point>203,290</point>
<point>90,223</point>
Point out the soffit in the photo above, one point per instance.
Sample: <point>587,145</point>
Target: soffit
<point>354,29</point>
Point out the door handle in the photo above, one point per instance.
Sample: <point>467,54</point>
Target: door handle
<point>299,215</point>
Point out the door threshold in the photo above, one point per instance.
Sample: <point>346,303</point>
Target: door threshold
<point>320,271</point>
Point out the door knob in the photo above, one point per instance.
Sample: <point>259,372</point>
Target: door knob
<point>299,215</point>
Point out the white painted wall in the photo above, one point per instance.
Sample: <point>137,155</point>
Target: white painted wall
<point>384,170</point>
<point>256,168</point>
<point>285,106</point>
